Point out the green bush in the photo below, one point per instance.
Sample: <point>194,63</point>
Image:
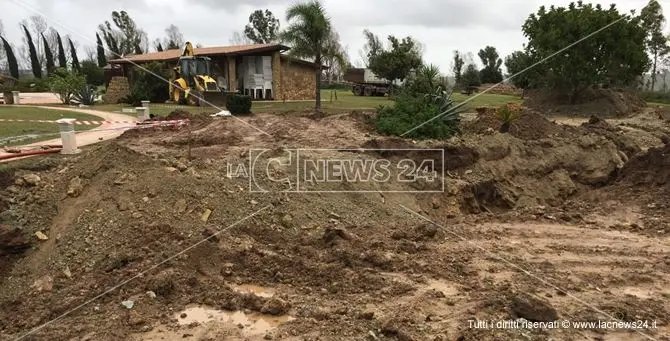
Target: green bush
<point>416,116</point>
<point>32,85</point>
<point>136,96</point>
<point>148,85</point>
<point>239,104</point>
<point>94,74</point>
<point>65,83</point>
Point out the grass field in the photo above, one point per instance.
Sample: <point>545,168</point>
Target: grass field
<point>331,101</point>
<point>27,129</point>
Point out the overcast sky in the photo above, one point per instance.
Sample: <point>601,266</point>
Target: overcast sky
<point>441,25</point>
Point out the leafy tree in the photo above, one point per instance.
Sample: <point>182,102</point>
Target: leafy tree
<point>65,83</point>
<point>62,60</point>
<point>93,73</point>
<point>657,44</point>
<point>73,55</point>
<point>262,28</point>
<point>307,32</point>
<point>372,47</point>
<point>398,60</point>
<point>615,55</point>
<point>12,63</point>
<point>159,47</point>
<point>102,59</point>
<point>458,67</point>
<point>174,39</point>
<point>471,76</point>
<point>34,58</point>
<point>491,72</point>
<point>515,64</point>
<point>127,38</point>
<point>51,66</point>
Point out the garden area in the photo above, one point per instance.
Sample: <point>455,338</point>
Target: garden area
<point>29,131</point>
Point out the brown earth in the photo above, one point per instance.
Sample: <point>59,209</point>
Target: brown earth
<point>601,102</point>
<point>534,224</point>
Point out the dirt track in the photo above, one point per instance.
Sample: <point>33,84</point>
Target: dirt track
<point>548,222</point>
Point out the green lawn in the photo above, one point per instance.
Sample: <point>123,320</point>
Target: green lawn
<point>9,129</point>
<point>332,101</point>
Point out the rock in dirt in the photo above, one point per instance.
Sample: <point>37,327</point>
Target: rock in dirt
<point>332,233</point>
<point>75,187</point>
<point>31,179</point>
<point>163,283</point>
<point>533,308</point>
<point>44,283</point>
<point>426,231</point>
<point>275,306</point>
<point>13,240</point>
<point>41,236</point>
<point>205,215</point>
<point>128,304</point>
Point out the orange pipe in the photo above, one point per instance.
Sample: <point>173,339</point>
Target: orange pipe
<point>28,153</point>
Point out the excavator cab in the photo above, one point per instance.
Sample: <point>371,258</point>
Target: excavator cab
<point>193,83</point>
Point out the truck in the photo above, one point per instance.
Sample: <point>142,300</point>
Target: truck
<point>365,83</point>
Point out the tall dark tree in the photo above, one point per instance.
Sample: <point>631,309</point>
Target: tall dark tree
<point>657,44</point>
<point>34,58</point>
<point>73,55</point>
<point>127,38</point>
<point>51,66</point>
<point>615,56</point>
<point>11,59</point>
<point>458,67</point>
<point>491,72</point>
<point>398,60</point>
<point>262,28</point>
<point>102,58</point>
<point>307,34</point>
<point>62,60</point>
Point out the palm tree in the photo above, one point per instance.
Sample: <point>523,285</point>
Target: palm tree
<point>307,34</point>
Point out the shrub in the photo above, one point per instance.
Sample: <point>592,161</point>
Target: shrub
<point>507,114</point>
<point>239,104</point>
<point>153,88</point>
<point>86,95</point>
<point>32,85</point>
<point>656,96</point>
<point>65,84</point>
<point>420,116</point>
<point>94,74</point>
<point>136,96</point>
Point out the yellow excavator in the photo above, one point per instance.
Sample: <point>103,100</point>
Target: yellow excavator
<point>192,81</point>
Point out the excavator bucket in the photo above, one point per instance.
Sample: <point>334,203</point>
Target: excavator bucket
<point>217,99</point>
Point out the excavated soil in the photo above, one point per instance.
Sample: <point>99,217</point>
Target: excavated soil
<point>133,240</point>
<point>602,102</point>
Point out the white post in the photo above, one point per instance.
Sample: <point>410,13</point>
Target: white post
<point>142,113</point>
<point>145,104</point>
<point>17,99</point>
<point>67,136</point>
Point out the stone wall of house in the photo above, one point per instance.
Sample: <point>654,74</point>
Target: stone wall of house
<point>297,81</point>
<point>118,89</point>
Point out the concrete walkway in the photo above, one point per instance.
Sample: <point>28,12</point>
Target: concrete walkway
<point>105,131</point>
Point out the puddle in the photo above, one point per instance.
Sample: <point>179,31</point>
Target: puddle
<point>252,324</point>
<point>254,289</point>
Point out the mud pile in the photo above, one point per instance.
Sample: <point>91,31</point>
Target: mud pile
<point>603,102</point>
<point>651,169</point>
<point>529,126</point>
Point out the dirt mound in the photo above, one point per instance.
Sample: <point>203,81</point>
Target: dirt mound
<point>601,127</point>
<point>529,126</point>
<point>602,102</point>
<point>649,169</point>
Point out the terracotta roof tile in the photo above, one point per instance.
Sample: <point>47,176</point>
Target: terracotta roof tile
<point>215,50</point>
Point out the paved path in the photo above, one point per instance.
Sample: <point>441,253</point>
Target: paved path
<point>101,133</point>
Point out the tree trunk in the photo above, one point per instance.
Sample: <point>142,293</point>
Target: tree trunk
<point>317,74</point>
<point>653,72</point>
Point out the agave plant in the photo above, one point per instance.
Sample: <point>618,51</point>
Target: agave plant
<point>448,110</point>
<point>507,114</point>
<point>86,95</point>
